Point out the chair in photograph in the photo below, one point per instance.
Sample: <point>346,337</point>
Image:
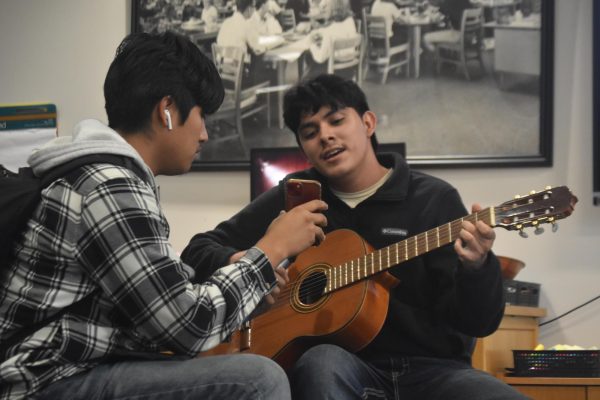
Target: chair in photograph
<point>381,55</point>
<point>469,45</point>
<point>239,103</point>
<point>287,19</point>
<point>347,55</point>
<point>363,18</point>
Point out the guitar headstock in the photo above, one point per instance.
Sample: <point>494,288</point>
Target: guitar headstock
<point>535,209</point>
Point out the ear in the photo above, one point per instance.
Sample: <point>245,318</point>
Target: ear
<point>370,121</point>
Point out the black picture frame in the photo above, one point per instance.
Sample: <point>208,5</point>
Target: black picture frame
<point>540,156</point>
<point>596,102</point>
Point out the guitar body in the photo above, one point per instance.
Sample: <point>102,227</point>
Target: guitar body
<point>303,316</point>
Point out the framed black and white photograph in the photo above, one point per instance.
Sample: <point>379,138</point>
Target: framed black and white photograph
<point>463,83</point>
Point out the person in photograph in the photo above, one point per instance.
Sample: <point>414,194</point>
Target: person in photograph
<point>210,14</point>
<point>301,9</point>
<point>394,16</point>
<point>342,26</point>
<point>321,9</point>
<point>97,304</point>
<point>192,10</point>
<point>239,31</point>
<point>445,297</point>
<point>273,8</point>
<point>452,11</point>
<point>262,19</point>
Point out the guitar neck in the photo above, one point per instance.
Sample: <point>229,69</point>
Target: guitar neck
<point>380,260</point>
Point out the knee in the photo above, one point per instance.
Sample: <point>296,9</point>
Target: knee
<point>268,377</point>
<point>319,363</point>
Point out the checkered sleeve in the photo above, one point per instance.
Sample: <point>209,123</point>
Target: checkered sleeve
<point>123,246</point>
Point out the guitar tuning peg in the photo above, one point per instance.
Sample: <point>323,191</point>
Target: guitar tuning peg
<point>538,229</point>
<point>523,234</point>
<point>532,192</point>
<point>548,188</point>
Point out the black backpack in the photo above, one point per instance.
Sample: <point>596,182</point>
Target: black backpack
<point>20,193</point>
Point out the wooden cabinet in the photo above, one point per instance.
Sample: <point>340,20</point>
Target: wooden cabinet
<point>518,331</point>
<point>556,388</point>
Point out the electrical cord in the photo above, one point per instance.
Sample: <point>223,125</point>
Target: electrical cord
<point>570,311</point>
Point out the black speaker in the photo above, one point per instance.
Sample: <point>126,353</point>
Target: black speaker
<point>518,293</point>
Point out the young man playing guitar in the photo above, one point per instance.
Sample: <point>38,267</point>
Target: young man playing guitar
<point>441,300</point>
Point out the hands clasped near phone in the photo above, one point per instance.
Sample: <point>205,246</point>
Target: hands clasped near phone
<point>293,231</point>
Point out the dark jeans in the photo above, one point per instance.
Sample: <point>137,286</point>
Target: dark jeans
<point>330,372</point>
<point>218,377</point>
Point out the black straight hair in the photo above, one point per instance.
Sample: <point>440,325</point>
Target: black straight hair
<point>148,67</point>
<point>327,90</point>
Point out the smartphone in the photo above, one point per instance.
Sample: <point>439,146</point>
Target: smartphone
<point>300,191</point>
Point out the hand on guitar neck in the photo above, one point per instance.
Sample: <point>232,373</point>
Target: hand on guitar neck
<point>474,242</point>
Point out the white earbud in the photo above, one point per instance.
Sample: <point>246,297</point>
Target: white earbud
<point>168,117</point>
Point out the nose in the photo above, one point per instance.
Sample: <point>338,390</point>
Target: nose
<point>203,133</point>
<point>326,133</point>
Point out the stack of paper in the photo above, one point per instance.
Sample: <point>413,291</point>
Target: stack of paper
<point>23,128</point>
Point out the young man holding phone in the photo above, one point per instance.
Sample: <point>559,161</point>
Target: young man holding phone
<point>445,298</point>
<point>115,312</point>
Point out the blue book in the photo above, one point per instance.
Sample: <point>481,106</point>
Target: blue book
<point>27,116</point>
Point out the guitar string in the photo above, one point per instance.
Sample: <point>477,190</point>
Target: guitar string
<point>422,246</point>
<point>447,235</point>
<point>424,241</point>
<point>282,298</point>
<point>395,251</point>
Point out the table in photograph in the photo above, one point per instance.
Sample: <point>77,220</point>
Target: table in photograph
<point>280,57</point>
<point>517,47</point>
<point>415,23</point>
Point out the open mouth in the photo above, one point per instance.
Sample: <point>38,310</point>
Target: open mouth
<point>331,153</point>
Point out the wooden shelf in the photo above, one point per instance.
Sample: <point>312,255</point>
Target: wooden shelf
<point>555,388</point>
<point>521,380</point>
<point>518,331</point>
<point>520,311</point>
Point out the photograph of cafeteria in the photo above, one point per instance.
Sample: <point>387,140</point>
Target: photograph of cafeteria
<point>435,69</point>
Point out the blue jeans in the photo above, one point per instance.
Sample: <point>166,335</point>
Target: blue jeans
<point>330,372</point>
<point>241,376</point>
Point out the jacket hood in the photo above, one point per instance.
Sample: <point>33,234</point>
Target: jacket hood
<point>89,137</point>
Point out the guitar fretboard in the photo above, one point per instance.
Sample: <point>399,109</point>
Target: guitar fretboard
<point>380,260</point>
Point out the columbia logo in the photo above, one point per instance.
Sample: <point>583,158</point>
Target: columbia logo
<point>394,231</point>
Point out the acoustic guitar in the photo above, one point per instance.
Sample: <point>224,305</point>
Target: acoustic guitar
<point>339,291</point>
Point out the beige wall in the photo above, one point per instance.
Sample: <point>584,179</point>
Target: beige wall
<point>59,51</point>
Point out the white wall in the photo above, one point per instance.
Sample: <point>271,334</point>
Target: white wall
<point>59,51</point>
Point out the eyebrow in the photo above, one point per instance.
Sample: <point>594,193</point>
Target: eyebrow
<point>304,125</point>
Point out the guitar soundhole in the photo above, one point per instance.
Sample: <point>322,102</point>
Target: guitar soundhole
<point>311,289</point>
